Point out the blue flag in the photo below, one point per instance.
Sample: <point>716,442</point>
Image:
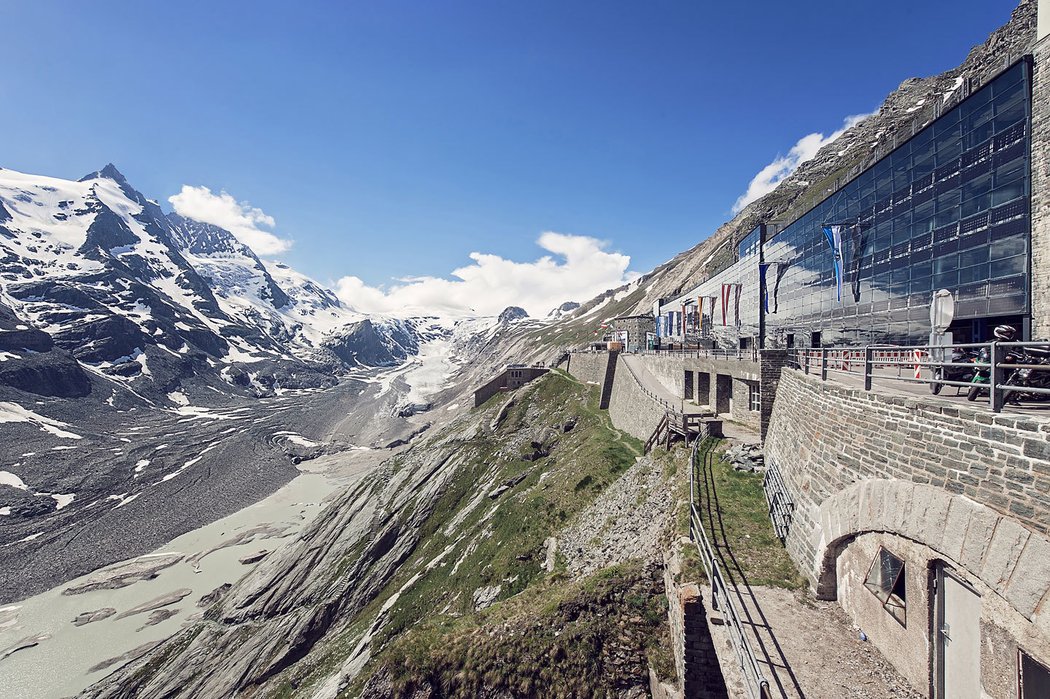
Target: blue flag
<point>833,234</point>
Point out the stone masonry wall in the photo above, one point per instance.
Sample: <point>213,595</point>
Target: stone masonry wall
<point>771,361</point>
<point>588,367</point>
<point>696,662</point>
<point>1040,170</point>
<point>973,484</point>
<point>630,408</point>
<point>669,370</point>
<point>741,410</point>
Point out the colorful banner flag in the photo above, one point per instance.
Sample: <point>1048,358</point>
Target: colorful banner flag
<point>833,234</point>
<point>736,305</point>
<point>727,289</point>
<point>763,292</point>
<point>782,270</point>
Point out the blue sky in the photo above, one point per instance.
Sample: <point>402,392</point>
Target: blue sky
<point>391,139</point>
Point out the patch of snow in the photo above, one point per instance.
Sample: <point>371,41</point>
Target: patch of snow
<point>5,512</point>
<point>179,398</point>
<point>195,412</point>
<point>918,105</point>
<point>63,500</point>
<point>124,499</point>
<point>302,441</point>
<point>12,412</point>
<point>953,88</point>
<point>8,478</point>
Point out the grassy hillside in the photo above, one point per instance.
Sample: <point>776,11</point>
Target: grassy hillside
<point>516,472</point>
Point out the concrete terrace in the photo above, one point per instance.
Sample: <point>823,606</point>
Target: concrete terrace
<point>890,381</point>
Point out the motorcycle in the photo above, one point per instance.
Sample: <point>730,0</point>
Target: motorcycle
<point>1030,378</point>
<point>962,374</point>
<point>1017,377</point>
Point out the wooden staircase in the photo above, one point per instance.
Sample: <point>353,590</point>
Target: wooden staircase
<point>674,426</point>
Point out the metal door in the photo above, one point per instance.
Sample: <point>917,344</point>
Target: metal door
<point>958,634</point>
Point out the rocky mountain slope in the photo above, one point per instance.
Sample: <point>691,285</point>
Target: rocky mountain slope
<point>451,545</point>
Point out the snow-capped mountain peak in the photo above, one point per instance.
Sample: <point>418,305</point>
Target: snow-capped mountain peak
<point>137,293</point>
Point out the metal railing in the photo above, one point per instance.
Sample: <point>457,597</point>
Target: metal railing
<point>781,506</point>
<point>659,399</point>
<point>755,682</point>
<point>744,355</point>
<point>987,362</point>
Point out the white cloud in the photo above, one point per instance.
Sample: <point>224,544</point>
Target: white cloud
<point>578,268</point>
<point>773,174</point>
<point>238,217</point>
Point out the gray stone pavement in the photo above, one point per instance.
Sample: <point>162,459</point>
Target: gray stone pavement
<point>656,387</point>
<point>889,381</point>
<point>784,627</point>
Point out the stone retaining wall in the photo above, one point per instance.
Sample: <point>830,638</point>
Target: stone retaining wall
<point>937,484</point>
<point>588,367</point>
<point>696,662</point>
<point>968,483</point>
<point>630,408</point>
<point>668,370</point>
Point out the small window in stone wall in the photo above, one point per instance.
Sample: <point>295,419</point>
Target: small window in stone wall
<point>885,579</point>
<point>1033,678</point>
<point>754,397</point>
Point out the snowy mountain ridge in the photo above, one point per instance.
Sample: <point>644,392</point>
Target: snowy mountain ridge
<point>145,296</point>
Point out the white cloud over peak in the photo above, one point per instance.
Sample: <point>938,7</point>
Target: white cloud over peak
<point>805,148</point>
<point>578,268</point>
<point>238,217</point>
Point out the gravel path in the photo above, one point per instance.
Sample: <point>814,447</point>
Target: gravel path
<point>788,625</point>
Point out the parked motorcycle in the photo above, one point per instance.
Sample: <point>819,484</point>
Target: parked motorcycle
<point>1021,378</point>
<point>1030,378</point>
<point>954,373</point>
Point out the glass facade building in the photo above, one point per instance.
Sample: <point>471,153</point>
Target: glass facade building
<point>947,209</point>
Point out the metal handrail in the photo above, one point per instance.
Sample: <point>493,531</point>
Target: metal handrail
<point>659,399</point>
<point>781,506</point>
<point>842,360</point>
<point>755,683</point>
<point>743,355</point>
